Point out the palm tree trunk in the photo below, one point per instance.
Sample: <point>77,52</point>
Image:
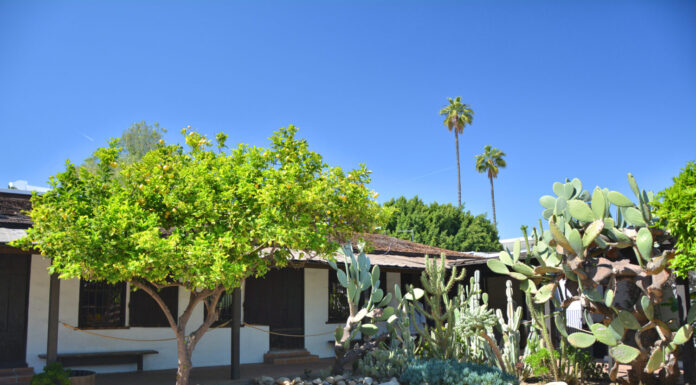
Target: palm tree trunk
<point>459,178</point>
<point>492,200</point>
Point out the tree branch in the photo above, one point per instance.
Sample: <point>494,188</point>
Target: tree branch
<point>211,317</point>
<point>194,298</point>
<point>153,293</point>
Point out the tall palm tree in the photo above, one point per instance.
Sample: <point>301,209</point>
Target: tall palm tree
<point>457,116</point>
<point>491,161</point>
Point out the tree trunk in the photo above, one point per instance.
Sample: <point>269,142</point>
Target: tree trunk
<point>186,344</point>
<point>184,361</point>
<point>459,178</point>
<point>492,200</point>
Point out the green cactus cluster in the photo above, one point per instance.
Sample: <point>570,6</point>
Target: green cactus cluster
<point>472,318</point>
<point>439,339</point>
<point>599,249</point>
<point>509,327</point>
<point>365,312</point>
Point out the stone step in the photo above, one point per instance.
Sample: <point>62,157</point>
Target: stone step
<point>285,353</point>
<point>298,356</point>
<point>295,360</point>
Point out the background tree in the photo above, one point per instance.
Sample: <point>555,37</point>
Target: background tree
<point>198,218</point>
<point>676,209</point>
<point>490,162</point>
<point>441,225</point>
<point>457,116</point>
<point>136,141</point>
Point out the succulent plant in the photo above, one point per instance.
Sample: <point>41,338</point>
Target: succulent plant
<point>601,259</point>
<point>363,316</point>
<point>509,328</point>
<point>440,339</point>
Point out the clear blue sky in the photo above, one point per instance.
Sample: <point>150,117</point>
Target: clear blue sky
<point>588,89</point>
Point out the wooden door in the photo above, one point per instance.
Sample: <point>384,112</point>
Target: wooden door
<point>277,300</point>
<point>14,293</point>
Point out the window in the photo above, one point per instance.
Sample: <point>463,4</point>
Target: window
<point>145,312</point>
<point>102,305</point>
<point>338,301</point>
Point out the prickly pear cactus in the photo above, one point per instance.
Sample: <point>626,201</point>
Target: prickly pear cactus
<point>357,278</point>
<point>602,255</point>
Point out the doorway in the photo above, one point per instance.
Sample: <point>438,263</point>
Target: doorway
<point>14,296</point>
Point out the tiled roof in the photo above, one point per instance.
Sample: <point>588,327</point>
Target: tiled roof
<point>385,244</point>
<point>396,253</point>
<point>11,207</point>
<point>382,249</point>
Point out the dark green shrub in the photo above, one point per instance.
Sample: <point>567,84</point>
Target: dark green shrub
<point>452,372</point>
<point>53,374</point>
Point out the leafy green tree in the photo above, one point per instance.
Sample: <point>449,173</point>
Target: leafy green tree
<point>199,217</point>
<point>490,162</point>
<point>675,207</point>
<point>457,116</point>
<point>136,141</point>
<point>441,225</point>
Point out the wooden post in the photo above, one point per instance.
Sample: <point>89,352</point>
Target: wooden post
<point>236,323</point>
<point>53,306</point>
<point>687,350</point>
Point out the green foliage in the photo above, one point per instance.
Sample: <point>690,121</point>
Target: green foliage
<point>675,208</point>
<point>441,225</point>
<point>539,362</point>
<point>201,218</point>
<point>53,374</point>
<point>197,217</point>
<point>452,372</point>
<point>136,141</point>
<point>383,364</point>
<point>490,162</point>
<point>591,251</point>
<point>457,115</point>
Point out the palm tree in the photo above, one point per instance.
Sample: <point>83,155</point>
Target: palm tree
<point>457,116</point>
<point>491,161</point>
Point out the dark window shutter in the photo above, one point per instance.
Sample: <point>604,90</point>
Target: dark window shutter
<point>256,291</point>
<point>102,305</point>
<point>145,312</point>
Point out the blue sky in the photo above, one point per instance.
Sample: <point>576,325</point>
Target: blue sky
<point>587,89</point>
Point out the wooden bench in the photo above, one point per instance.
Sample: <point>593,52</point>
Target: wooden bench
<point>103,358</point>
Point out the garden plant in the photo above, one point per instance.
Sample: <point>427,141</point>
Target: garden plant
<point>203,217</point>
<point>604,250</point>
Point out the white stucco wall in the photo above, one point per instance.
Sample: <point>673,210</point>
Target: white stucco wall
<point>316,312</point>
<point>213,349</point>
